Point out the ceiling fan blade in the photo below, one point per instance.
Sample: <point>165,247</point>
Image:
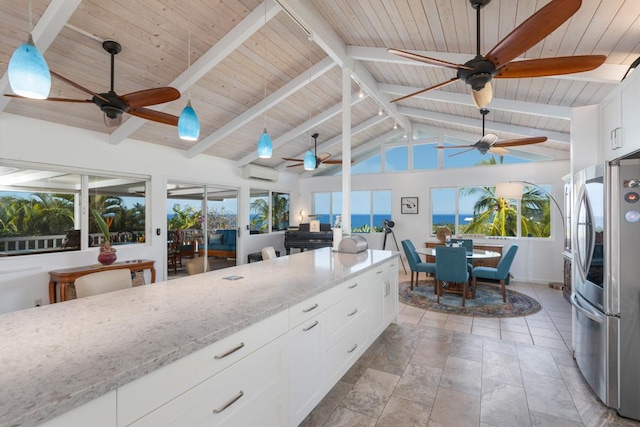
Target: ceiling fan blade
<point>462,152</point>
<point>426,90</point>
<point>334,162</point>
<point>455,146</point>
<point>77,86</point>
<point>293,166</point>
<point>530,32</point>
<point>522,141</point>
<point>498,150</point>
<point>147,97</point>
<point>292,160</point>
<point>10,95</point>
<point>324,156</point>
<point>153,115</point>
<point>484,96</point>
<point>427,60</point>
<point>550,66</point>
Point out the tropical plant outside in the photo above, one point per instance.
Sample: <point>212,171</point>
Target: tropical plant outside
<point>260,207</point>
<point>494,216</point>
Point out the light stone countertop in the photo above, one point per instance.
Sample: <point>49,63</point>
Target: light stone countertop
<point>56,357</point>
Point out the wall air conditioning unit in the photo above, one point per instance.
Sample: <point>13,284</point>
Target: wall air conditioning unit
<point>263,173</point>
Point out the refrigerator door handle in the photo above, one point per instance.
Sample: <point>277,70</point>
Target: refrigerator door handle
<point>587,311</point>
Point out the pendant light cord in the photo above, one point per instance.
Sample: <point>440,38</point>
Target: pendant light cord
<point>265,63</point>
<point>30,18</point>
<point>189,49</point>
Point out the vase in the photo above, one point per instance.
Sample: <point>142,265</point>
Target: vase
<point>107,255</point>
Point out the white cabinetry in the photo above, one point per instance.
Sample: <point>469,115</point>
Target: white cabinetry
<point>272,373</point>
<point>611,136</point>
<point>391,292</point>
<point>307,345</point>
<point>619,124</point>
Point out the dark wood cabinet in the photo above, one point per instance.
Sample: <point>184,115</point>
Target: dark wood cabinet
<point>485,262</point>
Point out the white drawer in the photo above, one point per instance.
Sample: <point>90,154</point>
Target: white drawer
<point>342,315</point>
<point>147,393</point>
<point>308,308</point>
<point>347,350</point>
<point>231,398</point>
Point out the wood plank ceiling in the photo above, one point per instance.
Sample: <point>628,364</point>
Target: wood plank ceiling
<point>254,62</point>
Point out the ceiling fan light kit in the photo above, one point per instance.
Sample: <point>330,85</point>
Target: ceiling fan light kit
<point>482,69</point>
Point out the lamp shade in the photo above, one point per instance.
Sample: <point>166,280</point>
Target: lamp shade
<point>309,161</point>
<point>265,146</point>
<point>509,190</point>
<point>188,124</point>
<point>29,74</point>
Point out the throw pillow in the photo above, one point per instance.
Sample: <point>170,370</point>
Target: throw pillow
<point>215,239</point>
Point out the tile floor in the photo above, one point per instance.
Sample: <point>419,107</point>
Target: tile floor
<point>442,370</point>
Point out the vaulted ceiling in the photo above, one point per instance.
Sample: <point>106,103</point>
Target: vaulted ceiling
<point>280,64</point>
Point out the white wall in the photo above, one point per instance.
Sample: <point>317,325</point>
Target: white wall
<point>25,279</point>
<point>538,260</point>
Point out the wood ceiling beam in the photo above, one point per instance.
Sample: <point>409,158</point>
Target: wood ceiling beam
<point>531,108</point>
<point>212,57</point>
<point>327,38</point>
<point>606,73</point>
<point>45,31</point>
<point>299,82</point>
<point>302,129</point>
<point>489,126</point>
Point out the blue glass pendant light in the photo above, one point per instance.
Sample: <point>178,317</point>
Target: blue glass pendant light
<point>309,161</point>
<point>265,146</point>
<point>29,74</point>
<point>188,124</point>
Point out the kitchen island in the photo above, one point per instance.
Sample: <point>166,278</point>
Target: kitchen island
<point>150,354</point>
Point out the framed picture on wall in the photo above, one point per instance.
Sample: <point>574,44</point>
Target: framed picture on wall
<point>409,205</point>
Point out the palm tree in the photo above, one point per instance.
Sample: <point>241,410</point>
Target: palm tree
<point>495,216</point>
<point>280,211</point>
<point>260,207</point>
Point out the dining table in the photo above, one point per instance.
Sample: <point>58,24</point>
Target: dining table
<point>475,254</point>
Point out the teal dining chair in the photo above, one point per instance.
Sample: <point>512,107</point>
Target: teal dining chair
<point>415,263</point>
<point>452,267</point>
<point>500,273</point>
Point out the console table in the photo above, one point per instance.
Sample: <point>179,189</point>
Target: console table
<point>68,276</point>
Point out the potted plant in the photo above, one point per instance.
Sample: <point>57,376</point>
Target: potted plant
<point>107,253</point>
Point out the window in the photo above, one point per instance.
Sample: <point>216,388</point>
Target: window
<point>396,159</point>
<point>476,210</point>
<point>425,156</point>
<point>268,211</point>
<point>41,208</point>
<point>369,209</point>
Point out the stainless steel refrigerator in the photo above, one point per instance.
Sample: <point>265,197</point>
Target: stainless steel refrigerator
<point>606,282</point>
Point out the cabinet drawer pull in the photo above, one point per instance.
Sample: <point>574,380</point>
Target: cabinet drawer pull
<point>353,312</point>
<point>379,271</point>
<point>233,350</point>
<point>313,307</point>
<point>353,286</point>
<point>313,325</point>
<point>229,403</point>
<point>353,349</point>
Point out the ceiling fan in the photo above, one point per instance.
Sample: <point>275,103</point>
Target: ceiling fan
<point>322,159</point>
<point>479,71</point>
<point>114,105</point>
<point>489,143</point>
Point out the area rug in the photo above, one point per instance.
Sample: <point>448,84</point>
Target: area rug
<point>487,303</point>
